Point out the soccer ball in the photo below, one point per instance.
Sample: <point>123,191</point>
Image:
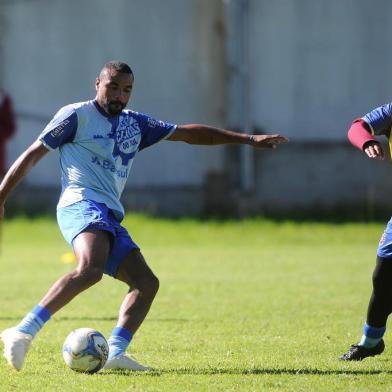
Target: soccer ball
<point>85,350</point>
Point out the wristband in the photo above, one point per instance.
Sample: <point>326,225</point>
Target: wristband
<point>359,134</point>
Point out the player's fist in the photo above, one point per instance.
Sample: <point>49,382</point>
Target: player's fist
<point>374,150</point>
<point>267,141</point>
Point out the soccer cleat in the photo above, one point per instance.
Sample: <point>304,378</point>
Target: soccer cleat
<point>123,361</point>
<point>16,345</point>
<point>357,352</point>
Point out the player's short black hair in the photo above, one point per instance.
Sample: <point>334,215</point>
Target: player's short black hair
<point>116,66</point>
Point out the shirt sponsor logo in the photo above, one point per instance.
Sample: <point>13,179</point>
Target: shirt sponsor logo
<point>56,132</point>
<point>153,123</point>
<point>109,166</point>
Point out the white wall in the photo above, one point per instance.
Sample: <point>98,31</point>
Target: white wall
<point>52,51</point>
<point>314,66</point>
<point>317,64</point>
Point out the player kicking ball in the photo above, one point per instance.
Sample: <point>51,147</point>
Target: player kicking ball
<point>97,141</point>
<point>361,135</point>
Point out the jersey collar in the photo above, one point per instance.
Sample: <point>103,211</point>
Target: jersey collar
<point>100,110</point>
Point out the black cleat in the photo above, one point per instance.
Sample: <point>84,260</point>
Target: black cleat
<point>357,352</point>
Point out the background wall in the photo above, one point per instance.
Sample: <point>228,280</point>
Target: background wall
<point>317,64</point>
<point>303,68</point>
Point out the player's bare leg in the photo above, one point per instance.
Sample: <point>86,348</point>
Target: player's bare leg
<point>143,286</point>
<point>379,309</point>
<point>91,248</point>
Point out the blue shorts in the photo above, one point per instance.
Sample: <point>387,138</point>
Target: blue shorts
<point>77,217</point>
<point>385,245</point>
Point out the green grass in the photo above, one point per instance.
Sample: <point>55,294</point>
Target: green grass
<point>244,306</point>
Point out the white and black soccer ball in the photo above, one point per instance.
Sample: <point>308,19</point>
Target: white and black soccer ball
<point>85,350</point>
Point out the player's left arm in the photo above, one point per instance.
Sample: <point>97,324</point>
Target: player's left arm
<point>19,169</point>
<point>207,135</point>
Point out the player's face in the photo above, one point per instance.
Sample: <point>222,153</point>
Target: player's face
<point>113,91</point>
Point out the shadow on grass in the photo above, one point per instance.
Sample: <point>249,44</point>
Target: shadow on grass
<point>250,372</point>
<point>59,319</point>
<point>114,318</point>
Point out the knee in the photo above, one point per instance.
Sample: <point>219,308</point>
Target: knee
<point>154,285</point>
<point>148,286</point>
<point>88,276</point>
<point>382,275</point>
<point>376,277</point>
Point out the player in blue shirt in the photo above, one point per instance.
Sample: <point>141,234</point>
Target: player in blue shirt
<point>362,134</point>
<point>98,141</point>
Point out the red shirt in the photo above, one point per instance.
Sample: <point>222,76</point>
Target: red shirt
<point>7,127</point>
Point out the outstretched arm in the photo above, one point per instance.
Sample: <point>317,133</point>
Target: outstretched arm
<point>206,135</point>
<point>19,169</point>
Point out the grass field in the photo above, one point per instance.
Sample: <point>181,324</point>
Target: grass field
<point>243,306</point>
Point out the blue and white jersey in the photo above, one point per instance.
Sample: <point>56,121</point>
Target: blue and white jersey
<point>380,120</point>
<point>97,150</point>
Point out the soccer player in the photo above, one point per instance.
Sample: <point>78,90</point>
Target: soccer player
<point>361,135</point>
<point>98,141</point>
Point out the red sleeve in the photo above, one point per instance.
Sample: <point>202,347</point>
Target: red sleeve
<point>359,133</point>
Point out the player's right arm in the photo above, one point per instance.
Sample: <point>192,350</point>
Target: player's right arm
<point>61,129</point>
<point>20,169</point>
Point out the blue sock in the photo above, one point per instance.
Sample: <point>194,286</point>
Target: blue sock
<point>371,336</point>
<point>34,320</point>
<point>119,341</point>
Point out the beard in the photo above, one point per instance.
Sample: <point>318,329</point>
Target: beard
<point>115,107</point>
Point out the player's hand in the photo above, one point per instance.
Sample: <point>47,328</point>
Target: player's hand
<point>267,141</point>
<point>374,150</point>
